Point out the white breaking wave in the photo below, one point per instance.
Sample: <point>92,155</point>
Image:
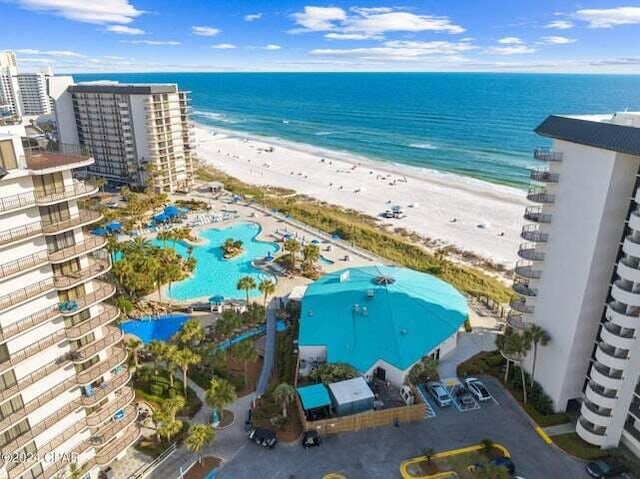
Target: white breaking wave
<point>423,146</point>
<point>324,133</point>
<point>215,116</point>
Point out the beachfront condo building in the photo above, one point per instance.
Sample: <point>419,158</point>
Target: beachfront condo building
<point>9,89</point>
<point>64,390</point>
<point>140,135</point>
<point>579,273</point>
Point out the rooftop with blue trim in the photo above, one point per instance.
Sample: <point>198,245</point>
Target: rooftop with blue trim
<point>395,314</point>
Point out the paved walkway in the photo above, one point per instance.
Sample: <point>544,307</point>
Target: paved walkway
<point>269,349</point>
<point>560,429</point>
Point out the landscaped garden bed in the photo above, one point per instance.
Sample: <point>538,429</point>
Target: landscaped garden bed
<point>203,468</point>
<point>156,388</point>
<point>458,463</point>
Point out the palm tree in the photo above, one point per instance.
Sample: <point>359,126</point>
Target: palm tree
<point>164,236</point>
<point>165,417</point>
<point>100,183</point>
<point>125,192</point>
<point>169,355</point>
<point>134,345</point>
<point>189,251</point>
<point>310,254</point>
<point>185,358</point>
<point>284,393</point>
<point>267,288</point>
<point>169,428</point>
<point>244,352</point>
<point>112,247</point>
<point>174,404</point>
<point>190,333</point>
<point>513,346</point>
<point>157,349</point>
<point>220,393</point>
<point>199,436</point>
<point>227,324</point>
<point>246,284</point>
<point>428,454</point>
<point>536,336</point>
<point>292,247</point>
<point>139,246</point>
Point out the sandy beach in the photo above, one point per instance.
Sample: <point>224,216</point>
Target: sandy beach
<point>470,214</point>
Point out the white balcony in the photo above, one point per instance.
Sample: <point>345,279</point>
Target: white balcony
<point>631,246</point>
<point>521,305</point>
<point>612,358</point>
<point>634,220</point>
<point>608,380</point>
<point>591,434</point>
<point>594,414</point>
<point>530,253</point>
<point>618,337</point>
<point>547,154</point>
<point>628,270</point>
<point>621,293</point>
<point>600,398</point>
<point>622,316</point>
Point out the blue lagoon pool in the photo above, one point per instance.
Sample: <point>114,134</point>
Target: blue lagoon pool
<point>161,328</point>
<point>215,275</point>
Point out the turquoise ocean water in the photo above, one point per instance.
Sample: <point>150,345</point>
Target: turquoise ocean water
<point>475,124</point>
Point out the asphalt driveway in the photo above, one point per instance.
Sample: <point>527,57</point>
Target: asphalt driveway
<point>377,453</point>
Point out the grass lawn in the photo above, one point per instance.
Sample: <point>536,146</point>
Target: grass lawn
<point>458,463</point>
<point>365,232</point>
<point>574,445</point>
<point>147,385</point>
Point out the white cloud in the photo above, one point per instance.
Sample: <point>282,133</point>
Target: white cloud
<point>511,41</point>
<point>401,50</point>
<point>609,17</point>
<point>253,17</point>
<point>319,18</point>
<point>369,21</point>
<point>271,46</point>
<point>557,40</point>
<point>151,42</point>
<point>352,36</point>
<point>53,53</point>
<point>510,50</point>
<point>203,31</point>
<point>223,46</point>
<point>87,11</point>
<point>559,25</point>
<point>124,30</point>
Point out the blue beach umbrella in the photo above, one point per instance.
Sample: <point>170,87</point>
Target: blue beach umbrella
<point>161,218</point>
<point>171,211</point>
<point>113,226</point>
<point>100,231</point>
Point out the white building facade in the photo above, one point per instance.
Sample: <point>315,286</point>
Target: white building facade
<point>34,93</point>
<point>131,130</point>
<point>63,374</point>
<point>9,88</point>
<point>579,273</point>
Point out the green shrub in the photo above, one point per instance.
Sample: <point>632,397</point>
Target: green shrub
<point>467,325</point>
<point>172,393</point>
<point>156,389</point>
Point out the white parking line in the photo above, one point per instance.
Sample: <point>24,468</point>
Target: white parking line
<point>430,410</point>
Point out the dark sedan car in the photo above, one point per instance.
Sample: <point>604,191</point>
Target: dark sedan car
<point>606,468</point>
<point>311,439</point>
<point>263,437</point>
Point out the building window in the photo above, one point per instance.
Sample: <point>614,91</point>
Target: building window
<point>9,407</point>
<point>8,159</point>
<point>7,380</point>
<point>13,433</point>
<point>4,353</point>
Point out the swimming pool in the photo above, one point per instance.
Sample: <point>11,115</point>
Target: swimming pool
<point>160,329</point>
<point>215,275</point>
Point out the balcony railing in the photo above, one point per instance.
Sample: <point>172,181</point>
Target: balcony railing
<point>54,155</point>
<point>91,349</point>
<point>516,321</point>
<point>20,233</point>
<point>524,289</point>
<point>540,196</point>
<point>530,253</point>
<point>34,348</point>
<point>109,454</point>
<point>117,356</point>
<point>98,417</point>
<point>15,202</point>
<point>520,305</point>
<point>108,315</point>
<point>597,430</point>
<point>83,217</point>
<point>526,270</point>
<point>534,213</point>
<point>23,264</point>
<point>546,154</point>
<point>78,189</point>
<point>105,434</point>
<point>26,293</point>
<point>533,233</point>
<point>594,408</point>
<point>69,280</point>
<point>544,176</point>
<point>59,362</point>
<point>92,243</point>
<point>608,372</point>
<point>104,291</point>
<point>106,388</point>
<point>29,322</point>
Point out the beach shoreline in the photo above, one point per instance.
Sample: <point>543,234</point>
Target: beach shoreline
<point>449,209</point>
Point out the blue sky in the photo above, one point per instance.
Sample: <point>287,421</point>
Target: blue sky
<point>276,35</point>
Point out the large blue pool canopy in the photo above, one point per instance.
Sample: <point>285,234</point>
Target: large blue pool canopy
<point>314,396</point>
<point>362,315</point>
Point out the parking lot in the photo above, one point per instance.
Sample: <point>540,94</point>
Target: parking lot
<point>377,453</point>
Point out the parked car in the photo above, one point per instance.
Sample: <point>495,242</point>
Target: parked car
<point>499,461</point>
<point>606,468</point>
<point>439,393</point>
<point>464,396</point>
<point>478,389</point>
<point>311,439</point>
<point>263,437</point>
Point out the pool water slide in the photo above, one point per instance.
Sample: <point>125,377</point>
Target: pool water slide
<point>269,350</point>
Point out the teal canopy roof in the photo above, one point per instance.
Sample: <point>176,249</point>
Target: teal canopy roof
<point>314,396</point>
<point>391,313</point>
